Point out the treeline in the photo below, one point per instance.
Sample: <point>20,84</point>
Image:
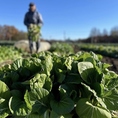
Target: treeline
<point>102,37</point>
<point>11,33</point>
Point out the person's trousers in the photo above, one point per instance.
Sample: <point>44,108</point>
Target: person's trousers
<point>31,46</point>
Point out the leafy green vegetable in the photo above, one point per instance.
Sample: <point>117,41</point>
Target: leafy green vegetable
<point>39,99</point>
<point>54,115</point>
<point>18,107</point>
<point>4,98</point>
<point>51,85</point>
<point>34,32</point>
<point>85,109</point>
<point>64,105</point>
<point>4,109</point>
<point>84,69</point>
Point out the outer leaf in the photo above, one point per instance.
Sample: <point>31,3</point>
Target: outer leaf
<point>85,69</point>
<point>110,75</point>
<point>64,106</point>
<point>33,116</point>
<point>18,95</point>
<point>18,107</point>
<point>38,81</point>
<point>32,64</point>
<point>4,97</point>
<point>74,67</point>
<point>73,78</point>
<point>19,117</point>
<point>54,115</point>
<point>110,96</point>
<point>4,91</point>
<point>95,57</point>
<point>47,64</point>
<point>15,76</point>
<point>27,100</point>
<point>99,88</point>
<point>72,91</point>
<point>39,99</point>
<point>68,63</point>
<point>85,109</point>
<point>48,84</point>
<point>4,109</point>
<point>89,73</point>
<point>60,75</point>
<point>24,73</point>
<point>36,115</point>
<point>111,99</point>
<point>17,64</point>
<point>82,66</point>
<point>92,92</point>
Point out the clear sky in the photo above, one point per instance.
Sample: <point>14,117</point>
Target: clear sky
<point>74,17</point>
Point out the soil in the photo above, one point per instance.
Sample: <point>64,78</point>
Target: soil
<point>5,63</point>
<point>113,62</point>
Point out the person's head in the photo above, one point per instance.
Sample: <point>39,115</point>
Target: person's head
<point>32,7</point>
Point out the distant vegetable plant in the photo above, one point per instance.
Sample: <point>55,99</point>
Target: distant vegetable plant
<point>105,50</point>
<point>9,53</point>
<point>62,48</point>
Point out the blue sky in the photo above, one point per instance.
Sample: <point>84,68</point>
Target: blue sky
<point>74,17</point>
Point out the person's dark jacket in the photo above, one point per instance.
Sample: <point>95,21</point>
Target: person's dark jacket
<point>33,18</point>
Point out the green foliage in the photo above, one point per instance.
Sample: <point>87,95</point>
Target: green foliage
<point>62,48</point>
<point>9,53</point>
<point>105,50</point>
<point>48,85</point>
<point>34,32</point>
<point>85,109</point>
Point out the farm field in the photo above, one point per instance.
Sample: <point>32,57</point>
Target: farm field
<point>68,81</point>
<point>59,59</point>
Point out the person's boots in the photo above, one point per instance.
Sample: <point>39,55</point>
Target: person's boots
<point>37,46</point>
<point>31,48</point>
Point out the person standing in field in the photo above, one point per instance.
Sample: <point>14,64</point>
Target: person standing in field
<point>33,21</point>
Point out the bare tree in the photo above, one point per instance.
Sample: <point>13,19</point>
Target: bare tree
<point>94,34</point>
<point>105,32</point>
<point>114,31</point>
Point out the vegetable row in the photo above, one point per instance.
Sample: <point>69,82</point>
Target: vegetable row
<point>105,50</point>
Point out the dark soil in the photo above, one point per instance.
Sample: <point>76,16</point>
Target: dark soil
<point>113,62</point>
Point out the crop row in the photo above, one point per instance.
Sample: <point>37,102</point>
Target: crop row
<point>105,50</point>
<point>62,48</point>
